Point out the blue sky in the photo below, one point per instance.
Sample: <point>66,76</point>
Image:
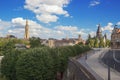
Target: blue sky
<point>58,18</point>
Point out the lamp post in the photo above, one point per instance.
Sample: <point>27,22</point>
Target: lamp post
<point>108,69</point>
<point>86,56</point>
<point>108,72</point>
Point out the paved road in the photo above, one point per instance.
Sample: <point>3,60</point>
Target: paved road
<point>93,61</point>
<point>83,61</point>
<point>112,59</point>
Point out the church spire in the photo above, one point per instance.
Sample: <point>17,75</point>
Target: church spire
<point>99,28</point>
<point>26,36</point>
<point>99,32</point>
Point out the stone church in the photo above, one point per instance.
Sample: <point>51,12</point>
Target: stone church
<point>99,33</point>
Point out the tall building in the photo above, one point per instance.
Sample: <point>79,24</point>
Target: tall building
<point>115,38</point>
<point>99,32</point>
<point>26,36</point>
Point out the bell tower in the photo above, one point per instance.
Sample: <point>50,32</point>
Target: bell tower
<point>26,36</point>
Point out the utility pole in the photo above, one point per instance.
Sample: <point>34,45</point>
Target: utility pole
<point>109,67</point>
<point>109,72</point>
<point>86,56</point>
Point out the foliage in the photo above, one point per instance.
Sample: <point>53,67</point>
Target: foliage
<point>8,64</point>
<point>7,44</point>
<point>96,43</point>
<point>81,43</point>
<point>107,43</point>
<point>35,64</point>
<point>41,63</point>
<point>101,44</point>
<point>35,42</point>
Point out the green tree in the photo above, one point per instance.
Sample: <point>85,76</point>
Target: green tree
<point>91,42</point>
<point>35,42</point>
<point>35,64</point>
<point>101,44</point>
<point>96,44</point>
<point>8,64</point>
<point>107,43</point>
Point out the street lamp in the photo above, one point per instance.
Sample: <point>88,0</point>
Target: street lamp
<point>108,69</point>
<point>86,56</point>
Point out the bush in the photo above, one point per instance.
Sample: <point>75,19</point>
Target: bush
<point>8,64</point>
<point>35,64</point>
<point>38,63</point>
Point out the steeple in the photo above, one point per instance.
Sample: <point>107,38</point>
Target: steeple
<point>99,29</point>
<point>99,32</point>
<point>26,36</point>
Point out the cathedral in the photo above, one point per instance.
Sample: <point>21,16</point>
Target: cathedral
<point>99,34</point>
<point>26,36</point>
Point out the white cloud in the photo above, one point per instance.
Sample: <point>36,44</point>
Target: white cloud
<point>67,28</point>
<point>118,23</point>
<point>92,33</point>
<point>4,25</point>
<point>46,18</point>
<point>47,10</point>
<point>94,3</point>
<point>109,27</point>
<point>16,27</point>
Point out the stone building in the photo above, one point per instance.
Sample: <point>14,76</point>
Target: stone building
<point>63,42</point>
<point>99,32</point>
<point>115,38</point>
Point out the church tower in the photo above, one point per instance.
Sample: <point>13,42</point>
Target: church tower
<point>26,36</point>
<point>99,32</point>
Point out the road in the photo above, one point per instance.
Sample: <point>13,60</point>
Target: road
<point>95,66</point>
<point>112,59</point>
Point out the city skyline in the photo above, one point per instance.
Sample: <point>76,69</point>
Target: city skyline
<point>58,18</point>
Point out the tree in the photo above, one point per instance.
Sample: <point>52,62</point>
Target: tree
<point>8,68</point>
<point>107,43</point>
<point>6,45</point>
<point>96,44</point>
<point>80,43</point>
<point>101,44</point>
<point>35,64</point>
<point>35,42</point>
<point>91,42</point>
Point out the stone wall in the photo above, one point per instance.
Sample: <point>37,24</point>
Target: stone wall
<point>76,71</point>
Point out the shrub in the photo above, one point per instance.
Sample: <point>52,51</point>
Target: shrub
<point>8,64</point>
<point>35,64</point>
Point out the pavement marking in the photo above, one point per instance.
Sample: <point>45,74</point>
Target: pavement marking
<point>115,57</point>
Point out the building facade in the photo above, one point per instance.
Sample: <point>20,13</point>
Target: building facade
<point>63,42</point>
<point>115,38</point>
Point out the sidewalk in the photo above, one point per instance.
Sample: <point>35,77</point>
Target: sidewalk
<point>96,68</point>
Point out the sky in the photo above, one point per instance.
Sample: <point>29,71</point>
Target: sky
<point>58,18</point>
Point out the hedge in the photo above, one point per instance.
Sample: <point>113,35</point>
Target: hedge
<point>38,63</point>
